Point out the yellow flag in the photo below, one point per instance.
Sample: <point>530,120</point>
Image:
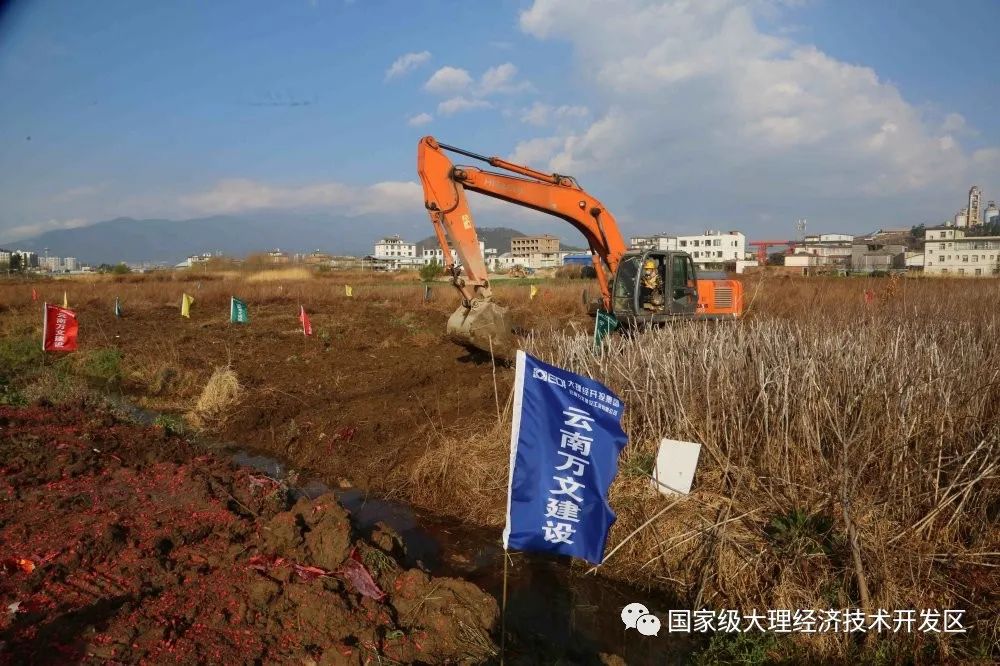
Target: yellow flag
<point>533,292</point>
<point>186,302</point>
<point>65,300</point>
<point>348,290</point>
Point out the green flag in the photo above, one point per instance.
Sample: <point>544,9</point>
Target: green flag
<point>118,307</point>
<point>238,311</point>
<point>604,324</point>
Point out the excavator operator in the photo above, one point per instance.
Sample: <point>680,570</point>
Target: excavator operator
<point>652,286</point>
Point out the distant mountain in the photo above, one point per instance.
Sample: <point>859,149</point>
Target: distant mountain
<point>171,241</point>
<point>495,237</point>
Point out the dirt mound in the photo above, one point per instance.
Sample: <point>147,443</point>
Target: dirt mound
<point>126,544</point>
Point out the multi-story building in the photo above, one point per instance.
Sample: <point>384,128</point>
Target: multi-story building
<point>992,213</point>
<point>71,264</point>
<point>656,242</point>
<point>524,246</point>
<point>714,247</point>
<point>436,254</point>
<point>536,251</point>
<point>869,255</point>
<point>975,195</point>
<point>315,258</point>
<point>822,251</point>
<point>396,253</point>
<point>828,238</point>
<point>28,259</point>
<point>947,251</point>
<point>51,263</point>
<point>711,247</point>
<point>5,257</point>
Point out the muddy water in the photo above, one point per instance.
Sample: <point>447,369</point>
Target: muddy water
<point>554,614</point>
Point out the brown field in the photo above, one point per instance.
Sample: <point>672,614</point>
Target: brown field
<point>850,450</point>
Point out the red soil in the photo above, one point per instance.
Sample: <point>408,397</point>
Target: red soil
<point>125,544</point>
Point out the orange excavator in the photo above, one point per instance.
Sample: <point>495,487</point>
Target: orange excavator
<point>639,287</point>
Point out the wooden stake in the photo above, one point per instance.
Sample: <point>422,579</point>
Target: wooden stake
<point>503,612</point>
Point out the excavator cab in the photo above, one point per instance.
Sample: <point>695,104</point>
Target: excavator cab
<point>654,286</point>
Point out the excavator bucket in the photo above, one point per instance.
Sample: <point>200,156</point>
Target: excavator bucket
<point>485,326</point>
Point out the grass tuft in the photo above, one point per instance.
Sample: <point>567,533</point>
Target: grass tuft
<point>221,393</point>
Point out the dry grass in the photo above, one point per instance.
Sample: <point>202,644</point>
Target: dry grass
<point>222,392</point>
<point>281,275</point>
<point>819,416</point>
<point>850,452</point>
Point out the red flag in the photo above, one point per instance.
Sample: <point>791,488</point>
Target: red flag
<point>307,328</point>
<point>34,294</point>
<point>59,329</point>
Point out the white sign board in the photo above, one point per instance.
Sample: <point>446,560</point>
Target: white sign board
<point>675,465</point>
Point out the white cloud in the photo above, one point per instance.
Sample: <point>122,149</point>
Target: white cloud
<point>703,109</point>
<point>28,230</point>
<point>459,104</point>
<point>537,153</point>
<point>467,95</point>
<point>501,79</point>
<point>953,122</point>
<point>419,119</point>
<point>448,80</point>
<point>238,195</point>
<point>540,114</point>
<point>406,63</point>
<point>78,192</point>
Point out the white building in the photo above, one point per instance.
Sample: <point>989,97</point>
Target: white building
<point>536,251</point>
<point>396,253</point>
<point>193,260</point>
<point>506,261</point>
<point>657,242</point>
<point>714,247</point>
<point>436,254</point>
<point>711,247</point>
<point>828,238</point>
<point>822,250</point>
<point>71,264</point>
<point>51,263</point>
<point>802,260</point>
<point>962,218</point>
<point>992,213</point>
<point>948,252</point>
<point>5,257</point>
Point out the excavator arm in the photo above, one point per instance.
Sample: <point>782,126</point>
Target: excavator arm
<point>479,321</point>
<point>444,197</point>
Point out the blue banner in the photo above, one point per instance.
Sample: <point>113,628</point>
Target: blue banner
<point>565,441</point>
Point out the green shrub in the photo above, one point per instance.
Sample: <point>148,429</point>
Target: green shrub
<point>103,365</point>
<point>751,649</point>
<point>430,271</point>
<point>797,532</point>
<point>9,395</point>
<point>171,425</point>
<point>18,354</point>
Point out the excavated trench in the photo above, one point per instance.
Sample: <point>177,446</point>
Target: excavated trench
<point>554,613</point>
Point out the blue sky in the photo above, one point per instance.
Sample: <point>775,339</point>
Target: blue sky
<point>722,114</point>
